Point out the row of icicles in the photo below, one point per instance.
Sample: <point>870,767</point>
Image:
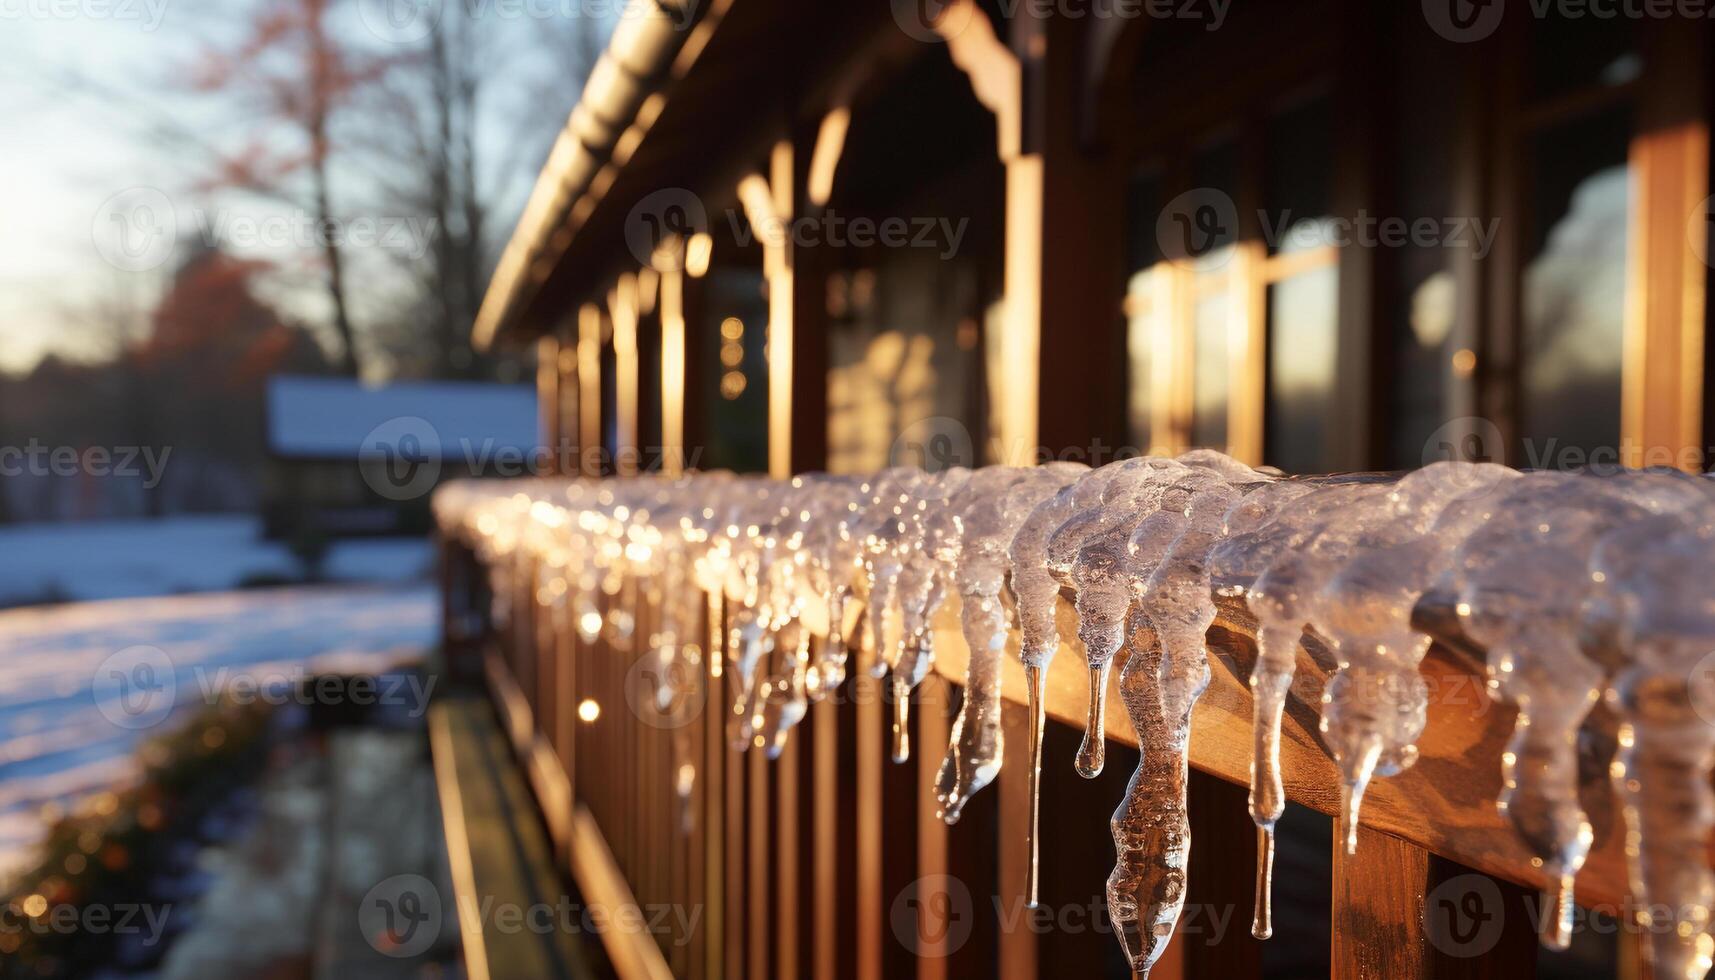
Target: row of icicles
<point>1580,587</point>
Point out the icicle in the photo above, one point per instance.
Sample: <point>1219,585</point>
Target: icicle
<point>929,545</point>
<point>1044,504</point>
<point>1083,515</point>
<point>1152,836</point>
<point>1151,831</point>
<point>976,731</point>
<point>887,524</point>
<point>836,557</point>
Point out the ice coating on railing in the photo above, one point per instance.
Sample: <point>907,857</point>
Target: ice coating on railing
<point>1116,498</point>
<point>931,544</point>
<point>970,545</point>
<point>883,550</point>
<point>1571,584</point>
<point>1376,705</point>
<point>1660,572</point>
<point>833,548</point>
<point>1519,580</point>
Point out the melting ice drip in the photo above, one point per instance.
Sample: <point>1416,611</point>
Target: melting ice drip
<point>1038,506</point>
<point>1578,587</point>
<point>928,538</point>
<point>973,545</point>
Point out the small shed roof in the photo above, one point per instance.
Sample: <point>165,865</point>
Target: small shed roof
<point>339,418</point>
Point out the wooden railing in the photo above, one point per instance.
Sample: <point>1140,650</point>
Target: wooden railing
<point>830,861</point>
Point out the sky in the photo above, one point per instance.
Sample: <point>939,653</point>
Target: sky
<point>94,92</point>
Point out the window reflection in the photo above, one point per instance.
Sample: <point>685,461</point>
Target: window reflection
<point>1147,338</point>
<point>1301,369</point>
<point>1574,289</point>
<point>1147,310</point>
<point>1210,364</point>
<point>1301,300</point>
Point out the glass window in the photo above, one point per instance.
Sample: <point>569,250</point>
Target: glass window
<point>1568,54</point>
<point>1210,367</point>
<point>1301,370</point>
<point>1297,192</point>
<point>1573,299</point>
<point>1417,278</point>
<point>1212,305</point>
<point>1146,308</point>
<point>1301,281</point>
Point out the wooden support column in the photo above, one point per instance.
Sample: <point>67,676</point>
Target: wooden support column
<point>622,304</point>
<point>713,832</point>
<point>589,390</point>
<point>1358,108</point>
<point>1668,255</point>
<point>548,398</point>
<point>566,363</point>
<point>997,79</point>
<point>673,361</point>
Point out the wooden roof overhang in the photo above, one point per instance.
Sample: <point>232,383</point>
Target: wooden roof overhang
<point>672,106</point>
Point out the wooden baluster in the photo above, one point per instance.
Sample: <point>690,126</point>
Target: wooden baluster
<point>1400,913</point>
<point>824,722</point>
<point>871,910</point>
<point>713,783</point>
<point>940,918</point>
<point>1018,947</point>
<point>786,921</point>
<point>734,876</point>
<point>757,824</point>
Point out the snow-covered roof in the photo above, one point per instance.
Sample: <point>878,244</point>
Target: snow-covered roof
<point>337,418</point>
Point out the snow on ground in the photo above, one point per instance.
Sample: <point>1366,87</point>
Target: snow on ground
<point>82,684</point>
<point>121,559</point>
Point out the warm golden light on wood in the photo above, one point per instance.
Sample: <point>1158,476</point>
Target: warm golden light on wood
<point>673,371</point>
<point>589,388</point>
<point>825,159</point>
<point>622,307</point>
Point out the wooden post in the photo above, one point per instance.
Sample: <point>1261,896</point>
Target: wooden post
<point>1668,256</point>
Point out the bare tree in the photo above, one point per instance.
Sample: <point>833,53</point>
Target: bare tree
<point>292,71</point>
